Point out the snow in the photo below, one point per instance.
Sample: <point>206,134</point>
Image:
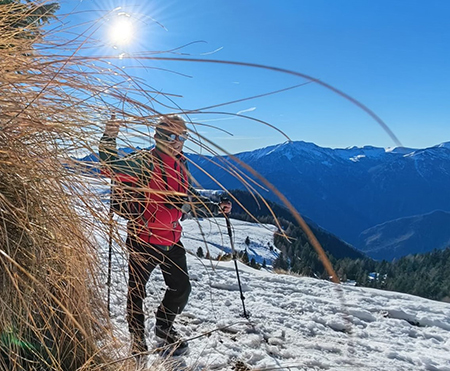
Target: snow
<point>295,323</point>
<point>400,150</point>
<point>215,233</point>
<point>444,145</point>
<point>356,158</point>
<point>289,149</point>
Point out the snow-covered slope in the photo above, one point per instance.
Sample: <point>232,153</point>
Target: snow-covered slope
<point>212,236</point>
<point>296,323</point>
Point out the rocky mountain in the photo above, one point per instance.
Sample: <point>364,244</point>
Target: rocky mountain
<point>345,191</point>
<point>410,235</point>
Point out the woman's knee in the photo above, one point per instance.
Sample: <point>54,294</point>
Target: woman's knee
<point>188,288</point>
<point>183,291</point>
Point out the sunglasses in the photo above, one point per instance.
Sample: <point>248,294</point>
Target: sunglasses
<point>171,137</point>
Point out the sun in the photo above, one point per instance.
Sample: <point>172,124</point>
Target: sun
<point>122,31</point>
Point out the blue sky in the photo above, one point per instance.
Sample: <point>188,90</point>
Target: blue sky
<point>392,56</point>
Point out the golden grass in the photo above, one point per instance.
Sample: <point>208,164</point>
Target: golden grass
<point>50,303</point>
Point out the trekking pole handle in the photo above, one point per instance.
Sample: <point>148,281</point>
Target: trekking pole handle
<point>230,232</point>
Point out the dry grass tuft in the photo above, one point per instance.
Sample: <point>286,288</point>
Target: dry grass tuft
<point>47,314</point>
<point>49,301</point>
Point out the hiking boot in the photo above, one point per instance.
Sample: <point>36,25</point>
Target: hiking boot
<point>138,344</point>
<point>170,337</point>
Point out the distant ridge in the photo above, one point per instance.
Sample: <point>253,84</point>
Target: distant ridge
<point>410,235</point>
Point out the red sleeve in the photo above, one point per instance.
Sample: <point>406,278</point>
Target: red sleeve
<point>118,177</point>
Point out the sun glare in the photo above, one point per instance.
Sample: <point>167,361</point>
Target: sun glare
<point>122,31</point>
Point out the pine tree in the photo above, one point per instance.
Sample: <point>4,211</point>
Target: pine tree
<point>281,263</point>
<point>254,264</point>
<point>245,258</point>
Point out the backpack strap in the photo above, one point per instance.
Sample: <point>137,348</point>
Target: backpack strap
<point>127,200</point>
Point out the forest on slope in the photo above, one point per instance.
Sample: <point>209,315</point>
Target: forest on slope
<point>425,275</point>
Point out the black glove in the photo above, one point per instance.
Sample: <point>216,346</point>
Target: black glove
<point>178,202</point>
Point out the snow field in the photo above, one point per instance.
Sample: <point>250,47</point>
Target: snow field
<point>295,323</point>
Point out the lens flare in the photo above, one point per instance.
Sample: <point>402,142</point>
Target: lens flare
<point>122,31</point>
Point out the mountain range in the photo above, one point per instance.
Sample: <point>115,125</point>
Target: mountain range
<point>345,191</point>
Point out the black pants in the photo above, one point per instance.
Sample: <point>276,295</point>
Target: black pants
<point>143,258</point>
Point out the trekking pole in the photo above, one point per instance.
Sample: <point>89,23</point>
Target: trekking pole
<point>230,234</point>
<point>110,217</point>
<point>108,281</point>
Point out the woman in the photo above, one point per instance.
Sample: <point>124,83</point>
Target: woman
<point>160,182</point>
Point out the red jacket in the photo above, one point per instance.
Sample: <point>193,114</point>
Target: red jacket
<point>161,219</point>
<point>165,176</point>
